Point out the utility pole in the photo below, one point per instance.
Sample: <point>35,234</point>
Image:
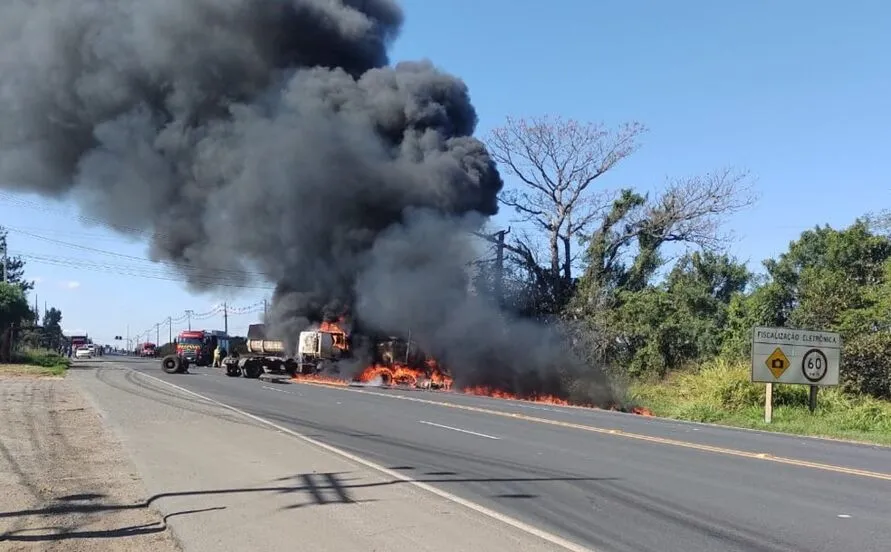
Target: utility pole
<point>158,334</point>
<point>498,239</point>
<point>189,319</point>
<point>225,318</point>
<point>5,267</point>
<point>264,309</point>
<point>170,329</point>
<point>499,267</point>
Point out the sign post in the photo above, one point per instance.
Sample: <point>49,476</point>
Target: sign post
<point>796,357</point>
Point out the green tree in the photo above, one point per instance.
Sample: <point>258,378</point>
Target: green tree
<point>52,319</point>
<point>825,274</point>
<point>52,328</point>
<point>619,317</point>
<point>660,328</point>
<point>836,280</point>
<point>15,266</point>
<point>14,309</point>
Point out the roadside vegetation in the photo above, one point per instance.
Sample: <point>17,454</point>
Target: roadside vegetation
<point>645,281</point>
<point>721,393</point>
<point>37,362</point>
<point>29,343</point>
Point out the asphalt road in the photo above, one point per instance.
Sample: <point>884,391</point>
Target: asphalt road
<point>605,480</point>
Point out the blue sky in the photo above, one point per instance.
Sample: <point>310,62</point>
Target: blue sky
<point>796,92</point>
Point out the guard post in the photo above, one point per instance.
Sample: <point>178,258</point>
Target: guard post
<point>795,357</point>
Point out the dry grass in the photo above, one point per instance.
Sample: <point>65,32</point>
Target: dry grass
<point>720,392</point>
<point>36,363</point>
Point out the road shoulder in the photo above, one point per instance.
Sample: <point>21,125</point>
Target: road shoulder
<point>247,486</point>
<point>66,483</point>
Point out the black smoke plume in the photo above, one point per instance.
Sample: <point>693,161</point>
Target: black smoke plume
<point>272,137</point>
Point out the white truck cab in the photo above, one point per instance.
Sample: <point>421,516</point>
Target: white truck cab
<point>315,344</point>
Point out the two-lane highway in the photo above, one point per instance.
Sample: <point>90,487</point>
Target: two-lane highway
<point>607,481</point>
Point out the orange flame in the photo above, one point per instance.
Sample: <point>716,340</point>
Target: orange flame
<point>338,334</point>
<point>400,374</point>
<point>320,378</point>
<point>547,399</point>
<point>498,394</point>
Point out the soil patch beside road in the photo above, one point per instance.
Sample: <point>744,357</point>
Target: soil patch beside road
<point>65,482</point>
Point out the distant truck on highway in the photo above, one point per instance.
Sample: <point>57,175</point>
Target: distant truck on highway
<point>147,350</point>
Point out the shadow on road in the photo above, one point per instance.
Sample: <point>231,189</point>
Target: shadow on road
<point>320,489</point>
<point>58,533</point>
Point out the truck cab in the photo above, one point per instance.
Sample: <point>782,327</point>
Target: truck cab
<point>197,346</point>
<point>317,348</point>
<point>148,350</point>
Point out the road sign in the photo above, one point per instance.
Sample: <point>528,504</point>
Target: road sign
<point>777,363</point>
<point>785,355</point>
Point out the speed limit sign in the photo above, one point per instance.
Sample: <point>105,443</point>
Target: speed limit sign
<point>814,365</point>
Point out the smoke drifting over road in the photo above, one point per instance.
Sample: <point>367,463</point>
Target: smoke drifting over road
<point>271,136</point>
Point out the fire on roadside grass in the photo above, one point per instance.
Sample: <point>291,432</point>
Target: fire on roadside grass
<point>398,375</point>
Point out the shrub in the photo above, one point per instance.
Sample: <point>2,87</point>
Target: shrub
<point>866,365</point>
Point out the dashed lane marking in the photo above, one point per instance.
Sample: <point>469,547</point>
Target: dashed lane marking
<point>459,430</point>
<point>628,435</point>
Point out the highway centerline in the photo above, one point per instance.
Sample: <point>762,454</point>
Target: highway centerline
<point>459,429</point>
<point>626,434</point>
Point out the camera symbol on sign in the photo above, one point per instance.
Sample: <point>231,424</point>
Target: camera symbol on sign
<point>777,363</point>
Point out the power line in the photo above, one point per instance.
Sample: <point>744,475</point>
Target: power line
<point>148,272</point>
<point>173,264</point>
<point>191,316</point>
<point>12,199</point>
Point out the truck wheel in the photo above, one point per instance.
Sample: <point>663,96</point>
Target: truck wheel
<point>171,364</point>
<point>291,368</point>
<point>233,372</point>
<point>252,370</point>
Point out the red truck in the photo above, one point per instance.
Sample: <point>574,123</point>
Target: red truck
<point>147,350</point>
<point>194,347</point>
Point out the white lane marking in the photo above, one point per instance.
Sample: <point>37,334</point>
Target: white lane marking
<point>459,429</point>
<point>515,523</point>
<point>274,389</point>
<point>844,516</point>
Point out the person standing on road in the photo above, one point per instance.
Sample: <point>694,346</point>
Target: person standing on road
<point>216,356</point>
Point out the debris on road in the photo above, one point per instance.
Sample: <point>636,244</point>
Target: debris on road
<point>66,483</point>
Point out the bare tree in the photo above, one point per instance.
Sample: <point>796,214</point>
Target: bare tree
<point>555,162</point>
<point>689,211</point>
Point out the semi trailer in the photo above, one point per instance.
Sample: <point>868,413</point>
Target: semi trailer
<point>315,350</point>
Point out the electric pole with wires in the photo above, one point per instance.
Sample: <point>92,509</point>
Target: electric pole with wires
<point>498,240</point>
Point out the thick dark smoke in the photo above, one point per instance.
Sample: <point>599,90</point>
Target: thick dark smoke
<point>272,137</point>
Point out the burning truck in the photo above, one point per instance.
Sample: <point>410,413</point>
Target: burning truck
<point>322,352</point>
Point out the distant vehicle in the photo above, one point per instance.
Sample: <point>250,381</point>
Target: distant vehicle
<point>79,341</point>
<point>83,352</point>
<point>147,350</point>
